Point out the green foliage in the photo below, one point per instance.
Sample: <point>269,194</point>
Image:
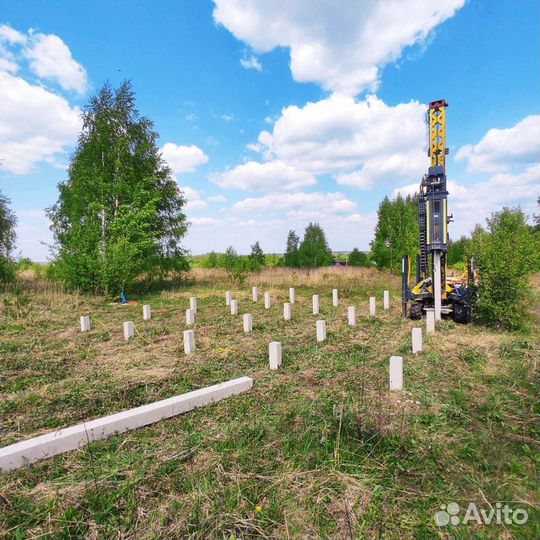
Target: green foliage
<point>359,258</point>
<point>256,257</point>
<point>272,260</point>
<point>396,233</point>
<point>458,251</point>
<point>314,251</point>
<point>7,270</point>
<point>237,267</point>
<point>291,258</point>
<point>24,263</point>
<point>212,260</point>
<point>505,257</point>
<point>8,221</point>
<point>119,215</point>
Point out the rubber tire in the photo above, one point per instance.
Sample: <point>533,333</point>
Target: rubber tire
<point>461,314</point>
<point>415,311</point>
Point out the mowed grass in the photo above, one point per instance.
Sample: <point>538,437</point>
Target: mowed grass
<point>318,449</point>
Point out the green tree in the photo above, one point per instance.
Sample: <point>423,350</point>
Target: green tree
<point>8,221</point>
<point>458,250</point>
<point>256,257</point>
<point>211,260</point>
<point>314,251</point>
<point>236,267</point>
<point>359,258</point>
<point>119,215</point>
<point>506,255</point>
<point>396,232</point>
<point>291,251</point>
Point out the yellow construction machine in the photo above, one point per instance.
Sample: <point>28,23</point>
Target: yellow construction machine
<point>432,288</point>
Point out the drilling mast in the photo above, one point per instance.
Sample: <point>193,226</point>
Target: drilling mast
<point>433,205</point>
<point>433,289</point>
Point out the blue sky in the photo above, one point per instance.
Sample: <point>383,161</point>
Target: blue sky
<point>276,115</point>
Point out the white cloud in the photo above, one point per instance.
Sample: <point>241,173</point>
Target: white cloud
<point>196,206</point>
<point>8,65</point>
<point>356,179</point>
<point>254,176</point>
<point>204,221</point>
<point>217,198</point>
<point>195,202</point>
<point>299,205</point>
<point>182,159</point>
<point>502,149</point>
<point>35,124</point>
<point>227,117</point>
<point>12,36</point>
<point>50,58</point>
<point>360,218</point>
<point>8,38</point>
<point>340,45</point>
<point>33,234</point>
<point>251,62</point>
<point>339,133</point>
<point>256,224</point>
<point>472,204</point>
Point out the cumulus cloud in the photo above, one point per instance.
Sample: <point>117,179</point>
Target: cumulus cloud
<point>251,62</point>
<point>8,38</point>
<point>204,221</point>
<point>217,198</point>
<point>339,133</point>
<point>183,159</point>
<point>340,45</point>
<point>50,58</point>
<point>357,179</point>
<point>12,36</point>
<point>254,176</point>
<point>195,202</point>
<point>47,56</point>
<point>502,149</point>
<point>256,224</point>
<point>299,205</point>
<point>35,124</point>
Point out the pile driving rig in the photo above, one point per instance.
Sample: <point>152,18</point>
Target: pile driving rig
<point>455,296</point>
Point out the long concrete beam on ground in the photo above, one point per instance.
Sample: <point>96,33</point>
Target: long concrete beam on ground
<point>71,438</point>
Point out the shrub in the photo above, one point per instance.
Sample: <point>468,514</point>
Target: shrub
<point>256,258</point>
<point>359,258</point>
<point>7,270</point>
<point>505,257</point>
<point>236,267</point>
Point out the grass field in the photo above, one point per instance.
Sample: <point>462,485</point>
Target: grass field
<point>318,449</point>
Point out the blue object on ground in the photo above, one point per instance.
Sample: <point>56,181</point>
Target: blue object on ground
<point>123,299</point>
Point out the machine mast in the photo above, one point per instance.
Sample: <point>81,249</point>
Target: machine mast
<point>433,205</point>
<point>432,289</point>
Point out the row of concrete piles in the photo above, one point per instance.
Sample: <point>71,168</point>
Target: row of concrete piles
<point>275,347</point>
